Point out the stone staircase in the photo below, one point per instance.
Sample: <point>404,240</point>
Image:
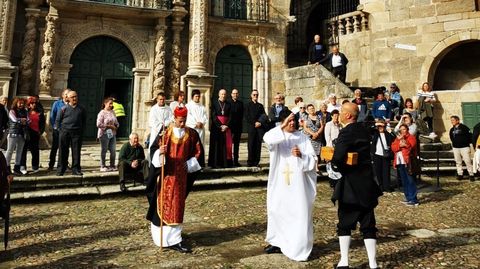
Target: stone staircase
<point>45,180</point>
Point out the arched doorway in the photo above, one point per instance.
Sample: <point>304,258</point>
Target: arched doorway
<point>233,68</point>
<point>459,70</point>
<point>102,67</point>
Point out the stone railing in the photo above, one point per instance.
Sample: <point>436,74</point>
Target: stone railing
<point>159,4</point>
<point>250,10</point>
<point>349,23</point>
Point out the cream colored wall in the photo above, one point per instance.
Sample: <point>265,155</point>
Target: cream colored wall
<point>432,27</point>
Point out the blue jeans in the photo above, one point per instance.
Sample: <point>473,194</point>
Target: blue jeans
<point>409,186</point>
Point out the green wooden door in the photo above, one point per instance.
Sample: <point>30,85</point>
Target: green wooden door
<point>471,113</point>
<point>233,68</point>
<point>95,61</point>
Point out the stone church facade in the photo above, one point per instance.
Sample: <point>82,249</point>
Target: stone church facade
<point>134,49</point>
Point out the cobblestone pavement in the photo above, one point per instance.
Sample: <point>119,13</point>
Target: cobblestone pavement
<point>226,229</point>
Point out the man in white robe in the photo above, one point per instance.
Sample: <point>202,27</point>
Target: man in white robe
<point>197,115</point>
<point>160,116</point>
<point>291,190</point>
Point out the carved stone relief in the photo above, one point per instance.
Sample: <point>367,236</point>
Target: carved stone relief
<point>48,55</point>
<point>28,52</point>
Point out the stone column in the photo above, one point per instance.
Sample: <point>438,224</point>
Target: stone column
<point>28,52</point>
<point>178,14</point>
<point>7,22</point>
<point>197,76</point>
<point>159,62</point>
<point>198,37</point>
<point>48,53</point>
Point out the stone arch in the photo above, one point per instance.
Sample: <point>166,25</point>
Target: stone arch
<point>250,44</point>
<point>128,37</point>
<point>443,47</point>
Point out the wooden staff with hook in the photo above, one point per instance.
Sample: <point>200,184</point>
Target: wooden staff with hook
<point>160,178</point>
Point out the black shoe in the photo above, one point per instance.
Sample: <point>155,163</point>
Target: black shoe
<point>272,249</point>
<point>59,174</point>
<point>472,178</point>
<point>122,187</point>
<point>77,173</point>
<point>182,249</point>
<point>237,164</point>
<point>341,267</point>
<point>459,177</point>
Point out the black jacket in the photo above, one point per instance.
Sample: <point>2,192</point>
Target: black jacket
<point>476,133</point>
<point>389,137</point>
<point>255,112</point>
<point>460,136</point>
<point>236,123</point>
<point>327,61</point>
<point>357,187</point>
<point>272,115</point>
<point>3,119</point>
<point>312,57</point>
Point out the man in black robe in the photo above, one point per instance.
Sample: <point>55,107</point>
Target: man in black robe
<point>220,150</point>
<point>236,124</point>
<point>356,192</point>
<point>257,122</point>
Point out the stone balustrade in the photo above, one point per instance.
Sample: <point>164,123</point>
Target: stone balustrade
<point>349,23</point>
<point>139,3</point>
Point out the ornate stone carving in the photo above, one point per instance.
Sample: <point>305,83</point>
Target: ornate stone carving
<point>178,14</point>
<point>48,55</point>
<point>198,29</point>
<point>7,17</point>
<point>159,63</point>
<point>77,33</point>
<point>28,52</point>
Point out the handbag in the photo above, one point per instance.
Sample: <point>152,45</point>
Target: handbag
<point>414,167</point>
<point>387,152</point>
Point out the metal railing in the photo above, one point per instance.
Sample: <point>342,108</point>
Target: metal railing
<point>250,10</point>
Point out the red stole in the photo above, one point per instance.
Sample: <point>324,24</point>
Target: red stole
<point>179,150</point>
<point>228,136</point>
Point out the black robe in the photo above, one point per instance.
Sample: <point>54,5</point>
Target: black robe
<point>217,152</point>
<point>357,187</point>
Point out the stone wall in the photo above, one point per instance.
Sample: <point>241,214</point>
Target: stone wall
<point>313,83</point>
<point>405,43</point>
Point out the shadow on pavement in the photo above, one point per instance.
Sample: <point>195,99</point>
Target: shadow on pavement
<point>215,237</point>
<point>43,230</point>
<point>14,220</point>
<point>439,196</point>
<point>89,259</point>
<point>64,243</point>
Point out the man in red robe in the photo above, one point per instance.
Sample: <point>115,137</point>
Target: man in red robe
<point>178,152</point>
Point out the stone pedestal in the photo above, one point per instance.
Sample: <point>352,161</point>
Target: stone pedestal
<point>6,78</point>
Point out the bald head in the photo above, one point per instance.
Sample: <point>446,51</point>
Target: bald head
<point>348,113</point>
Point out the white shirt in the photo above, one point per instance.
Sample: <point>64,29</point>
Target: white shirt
<point>196,113</point>
<point>379,149</point>
<point>331,107</point>
<point>159,116</point>
<point>336,60</point>
<point>331,132</point>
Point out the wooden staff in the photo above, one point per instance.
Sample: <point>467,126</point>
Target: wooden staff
<point>160,211</point>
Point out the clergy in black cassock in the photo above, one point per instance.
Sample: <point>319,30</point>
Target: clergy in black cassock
<point>356,192</point>
<point>257,122</point>
<point>220,150</point>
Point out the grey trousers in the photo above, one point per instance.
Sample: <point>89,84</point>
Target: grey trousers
<point>13,143</point>
<point>110,145</point>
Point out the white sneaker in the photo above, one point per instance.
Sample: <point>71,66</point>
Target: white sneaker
<point>23,170</point>
<point>432,135</point>
<point>103,169</point>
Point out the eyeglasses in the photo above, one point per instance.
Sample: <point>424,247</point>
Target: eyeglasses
<point>302,107</point>
<point>254,94</point>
